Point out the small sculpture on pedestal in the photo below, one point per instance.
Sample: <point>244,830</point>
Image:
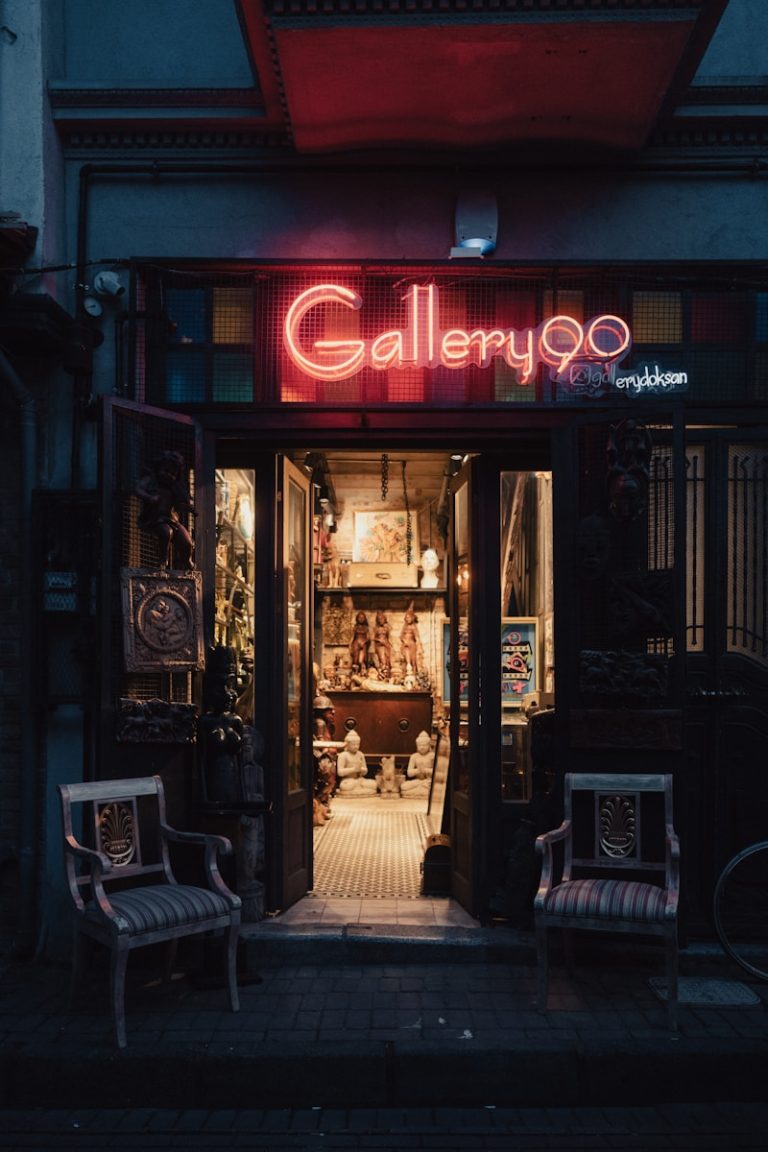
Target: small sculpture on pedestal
<point>382,645</point>
<point>430,562</point>
<point>420,768</point>
<point>352,769</point>
<point>388,779</point>
<point>233,778</point>
<point>221,729</point>
<point>409,644</point>
<point>361,642</point>
<point>165,498</point>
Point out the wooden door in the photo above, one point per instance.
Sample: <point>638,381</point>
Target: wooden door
<point>291,690</point>
<point>475,675</point>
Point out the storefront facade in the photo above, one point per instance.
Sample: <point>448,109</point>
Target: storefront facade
<point>571,420</point>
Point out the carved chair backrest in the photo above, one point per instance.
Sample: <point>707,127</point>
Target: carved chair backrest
<point>122,819</point>
<point>619,823</point>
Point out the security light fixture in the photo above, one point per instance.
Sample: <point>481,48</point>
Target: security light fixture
<point>108,284</point>
<point>477,225</point>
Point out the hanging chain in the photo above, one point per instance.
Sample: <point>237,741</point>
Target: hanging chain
<point>408,524</point>
<point>384,475</point>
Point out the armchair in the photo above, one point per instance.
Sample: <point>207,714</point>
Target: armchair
<point>124,893</point>
<point>619,871</point>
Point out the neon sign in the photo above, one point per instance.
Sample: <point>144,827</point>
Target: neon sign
<point>423,343</point>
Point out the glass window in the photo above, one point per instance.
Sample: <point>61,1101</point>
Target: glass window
<point>657,318</point>
<point>526,639</point>
<point>236,570</point>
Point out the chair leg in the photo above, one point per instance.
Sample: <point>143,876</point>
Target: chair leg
<point>234,995</point>
<point>672,971</point>
<point>542,959</point>
<point>118,966</point>
<point>570,962</point>
<point>171,951</point>
<point>79,955</point>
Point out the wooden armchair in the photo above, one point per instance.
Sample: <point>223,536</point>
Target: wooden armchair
<point>616,834</point>
<point>123,889</point>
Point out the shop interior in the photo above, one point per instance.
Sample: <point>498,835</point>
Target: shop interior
<point>380,645</point>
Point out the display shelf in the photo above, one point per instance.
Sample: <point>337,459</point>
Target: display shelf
<point>367,589</point>
<point>235,562</point>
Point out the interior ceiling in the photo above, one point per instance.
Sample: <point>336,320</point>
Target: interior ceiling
<point>477,76</point>
<point>355,477</point>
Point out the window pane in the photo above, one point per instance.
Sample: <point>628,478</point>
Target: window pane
<point>185,378</point>
<point>718,317</point>
<point>761,316</point>
<point>232,377</point>
<point>232,316</point>
<point>657,318</point>
<point>187,315</point>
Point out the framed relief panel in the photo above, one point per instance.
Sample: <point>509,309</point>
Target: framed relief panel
<point>162,620</point>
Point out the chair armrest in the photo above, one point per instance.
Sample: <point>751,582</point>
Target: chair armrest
<point>98,864</point>
<point>546,839</point>
<point>544,844</point>
<point>212,844</point>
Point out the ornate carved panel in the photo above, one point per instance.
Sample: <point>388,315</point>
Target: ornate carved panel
<point>155,722</point>
<point>638,729</point>
<point>162,621</point>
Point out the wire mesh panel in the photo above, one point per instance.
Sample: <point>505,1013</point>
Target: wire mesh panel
<point>347,336</point>
<point>139,440</point>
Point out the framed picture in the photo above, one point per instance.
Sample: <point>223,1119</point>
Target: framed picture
<point>382,537</point>
<point>519,659</point>
<point>463,664</point>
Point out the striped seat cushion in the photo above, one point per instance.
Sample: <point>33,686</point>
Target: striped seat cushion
<point>164,906</point>
<point>608,900</point>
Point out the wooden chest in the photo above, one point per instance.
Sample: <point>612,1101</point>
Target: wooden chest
<point>436,868</point>
<point>388,722</point>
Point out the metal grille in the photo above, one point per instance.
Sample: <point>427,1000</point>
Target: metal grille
<point>626,538</point>
<point>747,550</point>
<point>696,491</point>
<point>208,336</point>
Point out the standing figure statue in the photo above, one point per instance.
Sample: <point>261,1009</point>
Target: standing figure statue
<point>221,730</point>
<point>165,499</point>
<point>410,642</point>
<point>382,646</point>
<point>360,643</point>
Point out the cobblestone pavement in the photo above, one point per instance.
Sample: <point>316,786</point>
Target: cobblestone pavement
<point>732,1126</point>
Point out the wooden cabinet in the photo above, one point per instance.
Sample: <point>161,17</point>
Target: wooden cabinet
<point>388,722</point>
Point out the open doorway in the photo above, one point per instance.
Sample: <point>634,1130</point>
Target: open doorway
<point>382,661</point>
<point>379,632</point>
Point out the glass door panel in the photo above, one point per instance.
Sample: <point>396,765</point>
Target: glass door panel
<point>296,599</point>
<point>234,623</point>
<point>526,629</point>
<point>292,674</point>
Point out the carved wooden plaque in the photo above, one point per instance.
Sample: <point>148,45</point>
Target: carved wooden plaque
<point>162,620</point>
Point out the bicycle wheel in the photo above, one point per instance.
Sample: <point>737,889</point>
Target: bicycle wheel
<point>741,909</point>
